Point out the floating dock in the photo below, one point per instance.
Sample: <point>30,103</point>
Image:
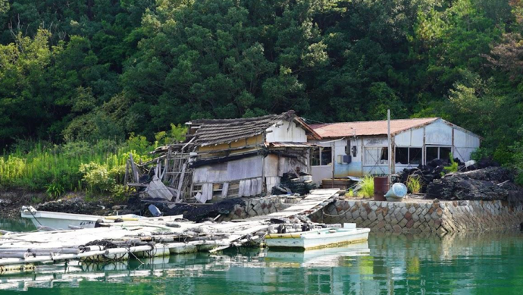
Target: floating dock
<point>20,252</point>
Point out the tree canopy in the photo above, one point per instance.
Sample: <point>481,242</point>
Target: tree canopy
<point>97,69</point>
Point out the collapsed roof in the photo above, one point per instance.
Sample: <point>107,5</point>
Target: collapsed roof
<point>207,132</point>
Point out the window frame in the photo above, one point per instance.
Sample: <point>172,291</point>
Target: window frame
<point>409,157</point>
<point>439,147</point>
<point>381,152</point>
<point>318,155</point>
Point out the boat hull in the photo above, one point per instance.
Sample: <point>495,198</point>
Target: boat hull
<point>317,239</point>
<point>58,220</point>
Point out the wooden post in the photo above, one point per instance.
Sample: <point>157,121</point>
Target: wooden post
<point>389,146</point>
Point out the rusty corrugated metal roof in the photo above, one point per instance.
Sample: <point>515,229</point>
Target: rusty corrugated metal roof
<point>346,129</point>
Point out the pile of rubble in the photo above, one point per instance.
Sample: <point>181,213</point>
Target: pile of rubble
<point>291,183</point>
<point>483,180</point>
<point>76,205</point>
<point>491,183</point>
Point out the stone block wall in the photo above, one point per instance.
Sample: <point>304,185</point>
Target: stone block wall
<point>258,206</point>
<point>420,216</point>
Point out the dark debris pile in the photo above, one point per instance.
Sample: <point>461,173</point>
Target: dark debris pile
<point>75,205</point>
<point>484,180</point>
<point>194,212</point>
<point>292,184</point>
<point>491,183</point>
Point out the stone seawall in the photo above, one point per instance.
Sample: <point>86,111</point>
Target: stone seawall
<point>259,206</point>
<point>420,216</point>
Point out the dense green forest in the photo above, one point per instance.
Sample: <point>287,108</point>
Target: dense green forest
<point>93,70</point>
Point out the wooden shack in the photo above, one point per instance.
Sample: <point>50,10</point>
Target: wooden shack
<point>223,158</point>
<point>246,156</point>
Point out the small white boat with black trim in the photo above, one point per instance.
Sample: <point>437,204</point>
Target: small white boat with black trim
<point>48,220</point>
<point>318,238</point>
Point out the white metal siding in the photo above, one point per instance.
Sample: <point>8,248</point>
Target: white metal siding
<point>438,133</point>
<point>285,131</point>
<point>250,187</point>
<point>465,139</point>
<point>416,137</point>
<point>271,166</point>
<point>230,171</point>
<point>403,138</point>
<point>271,181</point>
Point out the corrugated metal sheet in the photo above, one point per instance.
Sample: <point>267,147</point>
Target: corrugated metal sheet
<point>346,129</point>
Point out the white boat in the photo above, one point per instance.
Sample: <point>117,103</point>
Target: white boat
<point>59,220</point>
<point>319,238</point>
<point>323,257</point>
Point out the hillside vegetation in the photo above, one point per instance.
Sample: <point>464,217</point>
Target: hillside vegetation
<point>83,72</point>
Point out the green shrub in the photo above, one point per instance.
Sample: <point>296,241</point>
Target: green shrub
<point>367,187</point>
<point>453,167</point>
<point>480,154</point>
<point>96,177</point>
<point>55,190</point>
<point>414,184</point>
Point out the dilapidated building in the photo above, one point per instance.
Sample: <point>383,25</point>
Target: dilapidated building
<point>361,148</point>
<point>247,156</point>
<point>233,157</point>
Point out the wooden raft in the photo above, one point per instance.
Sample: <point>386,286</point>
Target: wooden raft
<point>21,251</point>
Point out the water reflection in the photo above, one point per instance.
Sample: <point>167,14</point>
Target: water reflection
<point>388,264</point>
<point>244,266</point>
<point>16,225</point>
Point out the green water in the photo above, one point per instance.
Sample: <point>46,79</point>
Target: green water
<point>389,264</point>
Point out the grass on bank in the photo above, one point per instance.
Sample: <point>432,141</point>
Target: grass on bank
<point>96,168</point>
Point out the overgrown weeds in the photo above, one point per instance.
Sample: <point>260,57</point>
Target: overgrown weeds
<point>414,184</point>
<point>367,187</point>
<point>94,168</point>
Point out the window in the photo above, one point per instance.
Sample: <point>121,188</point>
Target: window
<point>321,156</point>
<point>408,156</point>
<point>415,155</point>
<point>315,157</point>
<point>217,189</point>
<point>326,156</point>
<point>376,156</point>
<point>438,152</point>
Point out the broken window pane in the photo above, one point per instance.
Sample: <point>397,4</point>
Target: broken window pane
<point>402,155</point>
<point>326,156</point>
<point>375,156</point>
<point>432,153</point>
<point>384,155</point>
<point>415,155</point>
<point>315,157</point>
<point>444,153</point>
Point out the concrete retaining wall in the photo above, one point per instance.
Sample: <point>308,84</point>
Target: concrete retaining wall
<point>423,215</point>
<point>259,206</point>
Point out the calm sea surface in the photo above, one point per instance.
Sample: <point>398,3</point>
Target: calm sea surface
<point>389,264</point>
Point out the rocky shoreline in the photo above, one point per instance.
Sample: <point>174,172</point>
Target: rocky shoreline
<point>12,201</point>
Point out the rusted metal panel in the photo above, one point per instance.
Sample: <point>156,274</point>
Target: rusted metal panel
<point>346,129</point>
